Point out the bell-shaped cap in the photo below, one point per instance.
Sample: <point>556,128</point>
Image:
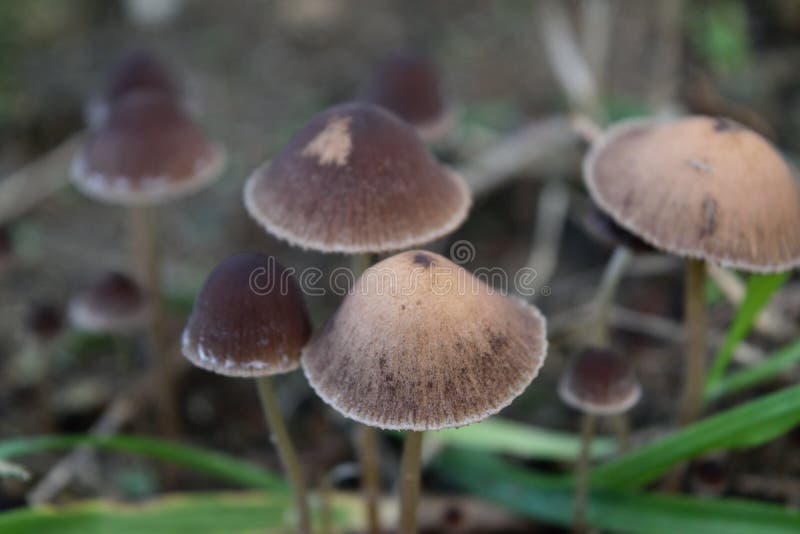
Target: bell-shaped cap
<point>148,151</point>
<point>408,85</point>
<point>138,70</point>
<point>601,382</point>
<point>605,230</point>
<point>356,179</point>
<point>422,344</point>
<point>113,304</point>
<point>248,320</point>
<point>700,187</point>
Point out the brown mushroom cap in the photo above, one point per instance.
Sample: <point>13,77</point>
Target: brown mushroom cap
<point>115,303</point>
<point>408,85</point>
<point>146,152</point>
<point>699,187</point>
<point>601,382</point>
<point>605,230</point>
<point>135,71</point>
<point>356,179</point>
<point>422,344</point>
<point>248,320</point>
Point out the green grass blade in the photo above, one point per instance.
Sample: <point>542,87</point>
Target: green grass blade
<point>743,426</point>
<point>210,462</point>
<point>545,498</point>
<point>507,437</point>
<point>775,364</point>
<point>197,513</point>
<point>760,288</point>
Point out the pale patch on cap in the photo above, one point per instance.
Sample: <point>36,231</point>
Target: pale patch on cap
<point>333,144</point>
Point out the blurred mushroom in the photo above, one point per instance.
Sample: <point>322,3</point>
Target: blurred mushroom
<point>147,152</point>
<point>409,347</point>
<point>599,382</point>
<point>249,320</point>
<point>408,85</point>
<point>704,188</point>
<point>113,304</point>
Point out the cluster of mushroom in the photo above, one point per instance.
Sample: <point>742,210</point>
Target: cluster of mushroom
<point>405,350</point>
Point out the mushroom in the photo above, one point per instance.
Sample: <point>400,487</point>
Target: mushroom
<point>599,382</point>
<point>137,70</point>
<point>704,188</point>
<point>147,152</point>
<point>408,85</point>
<point>357,180</point>
<point>421,345</point>
<point>249,320</point>
<point>112,304</point>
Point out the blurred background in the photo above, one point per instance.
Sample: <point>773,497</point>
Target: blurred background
<point>516,73</point>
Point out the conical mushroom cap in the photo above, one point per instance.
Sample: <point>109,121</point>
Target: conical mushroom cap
<point>356,179</point>
<point>248,320</point>
<point>421,344</point>
<point>600,381</point>
<point>408,85</point>
<point>115,303</point>
<point>699,187</point>
<point>147,151</point>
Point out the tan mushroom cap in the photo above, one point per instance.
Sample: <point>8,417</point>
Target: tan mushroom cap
<point>422,344</point>
<point>600,381</point>
<point>356,179</point>
<point>147,151</point>
<point>699,187</point>
<point>115,304</point>
<point>248,320</point>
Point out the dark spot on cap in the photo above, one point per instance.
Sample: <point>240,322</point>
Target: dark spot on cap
<point>497,342</point>
<point>722,124</point>
<point>709,216</point>
<point>423,259</point>
<point>453,516</point>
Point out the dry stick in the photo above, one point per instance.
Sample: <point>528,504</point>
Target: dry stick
<point>280,437</point>
<point>368,440</point>
<point>551,214</point>
<point>582,473</point>
<point>146,257</point>
<point>606,292</point>
<point>410,481</point>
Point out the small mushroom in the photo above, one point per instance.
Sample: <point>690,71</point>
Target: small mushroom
<point>112,304</point>
<point>599,382</point>
<point>421,344</point>
<point>249,320</point>
<point>705,188</point>
<point>356,179</point>
<point>408,85</point>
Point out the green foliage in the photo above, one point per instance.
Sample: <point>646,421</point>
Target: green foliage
<point>719,33</point>
<point>772,366</point>
<point>212,463</point>
<point>545,498</point>
<point>760,288</point>
<point>525,441</point>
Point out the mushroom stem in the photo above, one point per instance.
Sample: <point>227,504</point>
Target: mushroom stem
<point>370,469</point>
<point>410,481</point>
<point>144,234</point>
<point>695,317</point>
<point>280,437</point>
<point>582,472</point>
<point>622,428</point>
<point>612,275</point>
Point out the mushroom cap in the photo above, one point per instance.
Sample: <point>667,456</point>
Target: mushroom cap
<point>600,381</point>
<point>135,71</point>
<point>422,344</point>
<point>114,303</point>
<point>248,320</point>
<point>699,187</point>
<point>356,179</point>
<point>408,85</point>
<point>147,151</point>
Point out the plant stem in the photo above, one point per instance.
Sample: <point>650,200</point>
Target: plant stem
<point>601,303</point>
<point>370,477</point>
<point>280,437</point>
<point>369,457</point>
<point>410,481</point>
<point>695,317</point>
<point>147,259</point>
<point>582,472</point>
